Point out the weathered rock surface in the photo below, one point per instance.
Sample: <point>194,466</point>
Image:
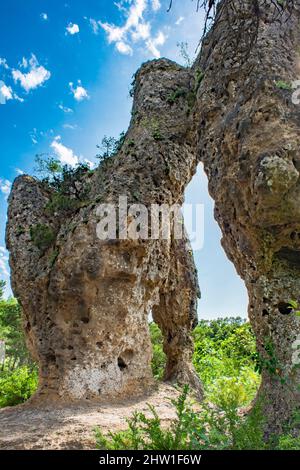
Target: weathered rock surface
<point>86,301</point>
<point>86,312</point>
<point>249,138</point>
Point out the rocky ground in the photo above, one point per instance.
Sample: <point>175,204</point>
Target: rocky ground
<point>71,427</point>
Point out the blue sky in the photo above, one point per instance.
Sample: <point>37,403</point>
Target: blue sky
<point>65,75</point>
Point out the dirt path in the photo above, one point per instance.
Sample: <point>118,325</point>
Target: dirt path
<point>71,427</point>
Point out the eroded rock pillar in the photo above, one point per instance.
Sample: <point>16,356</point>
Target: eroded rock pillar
<point>249,140</point>
<point>86,301</point>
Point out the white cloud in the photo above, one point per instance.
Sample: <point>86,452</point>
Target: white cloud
<point>135,28</point>
<point>78,91</point>
<point>65,109</point>
<point>19,171</point>
<point>3,262</point>
<point>44,16</point>
<point>65,154</point>
<point>180,20</point>
<point>3,63</point>
<point>89,163</point>
<point>72,127</point>
<point>24,63</point>
<point>124,48</point>
<point>5,186</point>
<point>94,25</point>
<point>142,31</point>
<point>156,5</point>
<point>72,29</point>
<point>114,33</point>
<point>36,76</point>
<point>153,43</point>
<point>33,136</point>
<point>6,94</point>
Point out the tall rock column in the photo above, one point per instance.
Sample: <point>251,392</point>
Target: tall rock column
<point>249,140</point>
<point>85,300</point>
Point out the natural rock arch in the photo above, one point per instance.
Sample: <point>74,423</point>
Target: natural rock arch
<point>86,310</point>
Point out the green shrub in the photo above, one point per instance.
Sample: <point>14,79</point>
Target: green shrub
<point>11,331</point>
<point>175,95</point>
<point>42,236</point>
<point>147,433</point>
<point>282,85</point>
<point>17,386</point>
<point>61,203</point>
<point>158,357</point>
<point>217,428</point>
<point>224,357</point>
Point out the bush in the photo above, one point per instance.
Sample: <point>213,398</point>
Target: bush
<point>147,433</point>
<point>158,357</point>
<point>42,236</point>
<point>61,203</point>
<point>17,386</point>
<point>212,428</point>
<point>11,331</point>
<point>224,357</point>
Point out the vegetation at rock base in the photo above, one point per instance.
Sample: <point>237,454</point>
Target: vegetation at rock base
<point>18,373</point>
<point>226,360</point>
<point>216,426</point>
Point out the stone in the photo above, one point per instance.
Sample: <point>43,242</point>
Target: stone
<point>86,313</point>
<point>248,140</point>
<point>86,301</point>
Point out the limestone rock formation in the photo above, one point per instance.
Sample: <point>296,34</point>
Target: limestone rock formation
<point>249,140</point>
<point>86,301</point>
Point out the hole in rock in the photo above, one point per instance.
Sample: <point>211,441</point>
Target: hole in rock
<point>284,308</point>
<point>121,363</point>
<point>292,257</point>
<point>223,293</point>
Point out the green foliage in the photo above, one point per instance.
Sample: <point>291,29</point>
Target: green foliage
<point>62,203</point>
<point>42,236</point>
<point>147,433</point>
<point>157,134</point>
<point>159,357</point>
<point>224,357</point>
<point>282,85</point>
<point>63,179</point>
<point>2,288</point>
<point>175,95</point>
<point>289,442</point>
<point>11,331</point>
<point>53,257</point>
<point>110,147</point>
<point>295,306</point>
<point>199,75</point>
<point>17,386</point>
<point>18,374</point>
<point>213,428</point>
<point>47,165</point>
